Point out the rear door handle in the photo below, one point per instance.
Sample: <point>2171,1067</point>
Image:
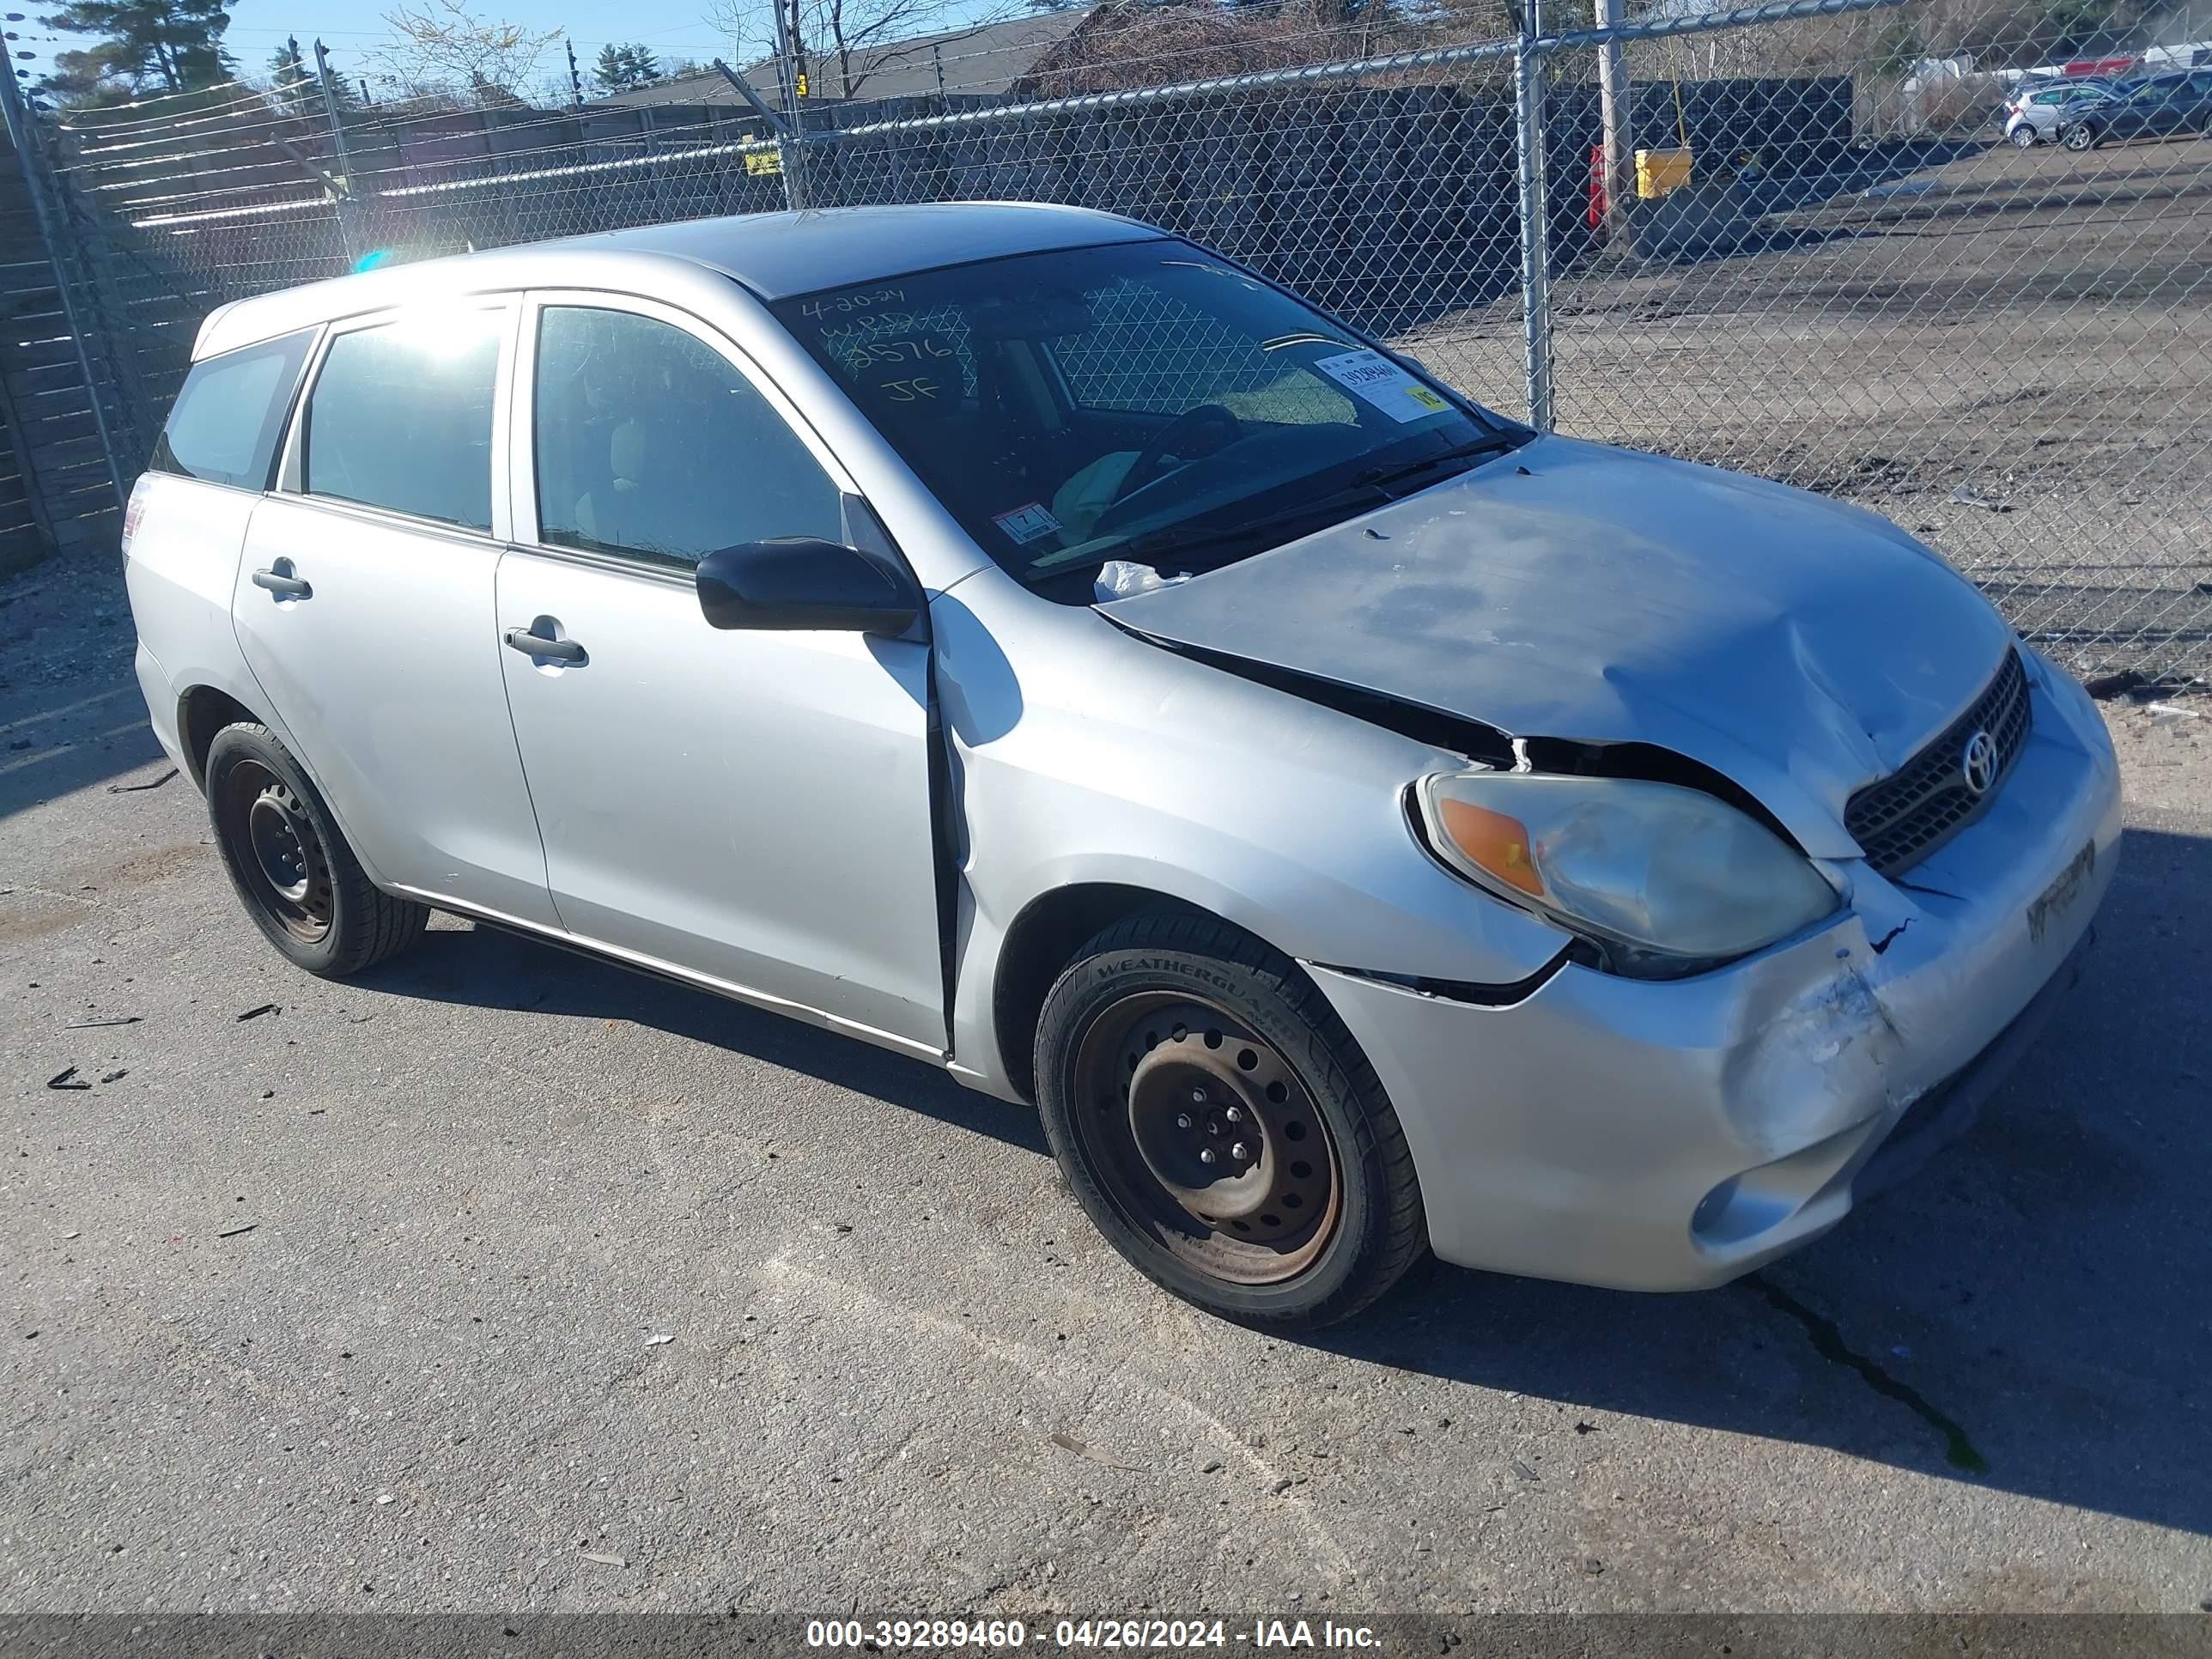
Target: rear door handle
<point>537,645</point>
<point>283,583</point>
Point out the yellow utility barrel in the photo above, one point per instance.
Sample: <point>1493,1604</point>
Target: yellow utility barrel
<point>1658,170</point>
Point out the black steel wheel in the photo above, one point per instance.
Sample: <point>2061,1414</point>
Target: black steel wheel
<point>1221,1126</point>
<point>1196,1122</point>
<point>285,865</point>
<point>294,871</point>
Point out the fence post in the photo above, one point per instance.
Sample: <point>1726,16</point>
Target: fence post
<point>46,211</point>
<point>1536,227</point>
<point>344,209</point>
<point>1613,105</point>
<point>795,192</point>
<point>785,162</point>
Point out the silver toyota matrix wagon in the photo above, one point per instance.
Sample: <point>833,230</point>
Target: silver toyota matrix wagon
<point>1021,638</point>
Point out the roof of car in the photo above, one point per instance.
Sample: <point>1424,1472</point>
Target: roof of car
<point>774,254</point>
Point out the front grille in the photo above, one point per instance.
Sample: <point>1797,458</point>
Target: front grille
<point>1900,820</point>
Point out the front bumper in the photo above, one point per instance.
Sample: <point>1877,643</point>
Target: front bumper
<point>1671,1135</point>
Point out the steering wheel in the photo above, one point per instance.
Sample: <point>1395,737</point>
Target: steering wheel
<point>1175,438</point>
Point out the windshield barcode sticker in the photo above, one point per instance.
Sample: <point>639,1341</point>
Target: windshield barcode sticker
<point>1026,523</point>
<point>1370,375</point>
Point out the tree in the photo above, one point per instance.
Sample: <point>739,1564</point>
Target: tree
<point>842,43</point>
<point>440,49</point>
<point>619,68</point>
<point>84,80</point>
<point>290,80</point>
<point>173,45</point>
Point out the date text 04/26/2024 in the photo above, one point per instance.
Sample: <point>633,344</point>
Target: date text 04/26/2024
<point>1143,1635</point>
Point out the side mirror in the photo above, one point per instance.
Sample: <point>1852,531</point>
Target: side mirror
<point>804,582</point>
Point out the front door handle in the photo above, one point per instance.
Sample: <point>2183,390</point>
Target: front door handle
<point>537,645</point>
<point>281,582</point>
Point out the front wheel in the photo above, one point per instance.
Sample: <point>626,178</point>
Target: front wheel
<point>2079,137</point>
<point>1221,1127</point>
<point>293,873</point>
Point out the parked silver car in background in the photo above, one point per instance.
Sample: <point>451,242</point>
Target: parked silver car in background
<point>2031,112</point>
<point>1021,638</point>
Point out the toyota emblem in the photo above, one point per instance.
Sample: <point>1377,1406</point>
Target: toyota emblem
<point>1979,764</point>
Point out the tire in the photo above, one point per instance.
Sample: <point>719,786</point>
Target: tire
<point>292,869</point>
<point>2079,137</point>
<point>1310,1209</point>
<point>2022,136</point>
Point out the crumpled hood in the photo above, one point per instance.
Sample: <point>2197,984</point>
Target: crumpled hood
<point>1798,646</point>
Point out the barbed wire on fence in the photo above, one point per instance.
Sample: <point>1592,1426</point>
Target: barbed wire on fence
<point>1807,239</point>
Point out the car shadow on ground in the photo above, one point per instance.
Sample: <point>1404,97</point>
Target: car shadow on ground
<point>488,968</point>
<point>2028,1313</point>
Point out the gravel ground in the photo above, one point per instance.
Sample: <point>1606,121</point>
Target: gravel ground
<point>359,1304</point>
<point>2010,352</point>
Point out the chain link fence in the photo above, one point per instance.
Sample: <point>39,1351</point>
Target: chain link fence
<point>1809,240</point>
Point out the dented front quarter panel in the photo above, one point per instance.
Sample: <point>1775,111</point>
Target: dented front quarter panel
<point>1099,758</point>
<point>1573,1134</point>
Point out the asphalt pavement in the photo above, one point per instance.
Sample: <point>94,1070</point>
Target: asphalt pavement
<point>502,1279</point>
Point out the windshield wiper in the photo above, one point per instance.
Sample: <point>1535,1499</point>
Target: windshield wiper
<point>1172,537</point>
<point>1493,443</point>
<point>1367,489</point>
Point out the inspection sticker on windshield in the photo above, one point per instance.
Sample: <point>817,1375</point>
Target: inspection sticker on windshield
<point>1372,375</point>
<point>1026,523</point>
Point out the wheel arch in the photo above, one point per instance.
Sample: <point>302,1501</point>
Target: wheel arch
<point>203,711</point>
<point>1044,939</point>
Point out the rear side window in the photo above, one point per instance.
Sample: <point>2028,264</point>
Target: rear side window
<point>224,426</point>
<point>400,417</point>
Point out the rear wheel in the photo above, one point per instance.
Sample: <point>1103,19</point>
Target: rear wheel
<point>2023,137</point>
<point>1222,1129</point>
<point>293,873</point>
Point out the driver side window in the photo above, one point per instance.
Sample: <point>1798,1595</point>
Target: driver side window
<point>650,444</point>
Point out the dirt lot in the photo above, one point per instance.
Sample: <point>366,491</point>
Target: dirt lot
<point>355,1304</point>
<point>2010,353</point>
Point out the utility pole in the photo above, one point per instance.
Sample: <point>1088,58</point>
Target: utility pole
<point>575,81</point>
<point>1614,103</point>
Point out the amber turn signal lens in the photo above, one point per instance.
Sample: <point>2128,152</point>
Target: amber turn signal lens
<point>1495,842</point>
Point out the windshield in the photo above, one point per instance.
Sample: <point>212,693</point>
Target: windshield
<point>1142,401</point>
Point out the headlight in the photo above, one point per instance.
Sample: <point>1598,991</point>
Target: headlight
<point>1665,871</point>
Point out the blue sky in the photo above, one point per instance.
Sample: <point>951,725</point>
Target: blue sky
<point>673,29</point>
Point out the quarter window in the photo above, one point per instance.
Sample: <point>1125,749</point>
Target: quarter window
<point>400,417</point>
<point>650,444</point>
<point>224,426</point>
